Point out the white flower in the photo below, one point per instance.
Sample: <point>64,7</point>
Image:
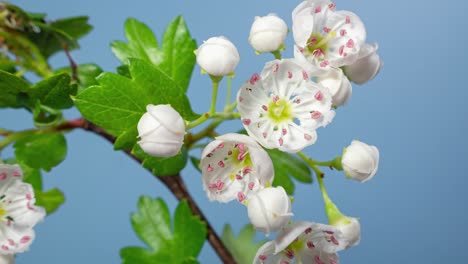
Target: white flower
<point>218,56</point>
<point>267,33</point>
<point>366,67</point>
<point>233,167</point>
<point>18,214</point>
<point>161,130</point>
<point>270,209</point>
<point>339,86</point>
<point>360,161</point>
<point>282,107</point>
<point>305,242</point>
<point>327,37</point>
<point>7,259</point>
<point>351,230</point>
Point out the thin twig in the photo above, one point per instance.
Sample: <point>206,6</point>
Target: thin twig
<point>73,66</point>
<point>175,183</point>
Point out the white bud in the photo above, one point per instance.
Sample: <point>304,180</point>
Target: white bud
<point>338,85</point>
<point>218,56</point>
<point>366,67</point>
<point>267,33</point>
<point>360,161</point>
<point>269,209</point>
<point>351,231</point>
<point>161,130</point>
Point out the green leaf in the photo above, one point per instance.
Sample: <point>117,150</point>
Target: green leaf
<point>42,151</point>
<point>195,162</point>
<point>162,166</point>
<point>286,165</point>
<point>118,103</point>
<point>175,57</point>
<point>87,74</point>
<point>180,244</point>
<point>30,175</point>
<point>243,248</point>
<point>10,87</point>
<point>50,200</point>
<point>53,92</point>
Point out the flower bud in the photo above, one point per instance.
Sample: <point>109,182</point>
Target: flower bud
<point>161,130</point>
<point>366,67</point>
<point>217,56</point>
<point>360,161</point>
<point>267,33</point>
<point>269,209</point>
<point>351,231</point>
<point>338,85</point>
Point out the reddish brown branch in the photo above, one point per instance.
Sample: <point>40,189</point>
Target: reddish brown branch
<point>175,183</point>
<point>73,65</point>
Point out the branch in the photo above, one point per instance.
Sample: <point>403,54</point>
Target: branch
<point>175,183</point>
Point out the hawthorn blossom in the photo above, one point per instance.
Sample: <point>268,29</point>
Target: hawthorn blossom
<point>326,37</point>
<point>303,242</point>
<point>218,56</point>
<point>18,214</point>
<point>270,209</point>
<point>233,167</point>
<point>367,65</point>
<point>281,108</point>
<point>360,161</point>
<point>161,131</point>
<point>267,33</point>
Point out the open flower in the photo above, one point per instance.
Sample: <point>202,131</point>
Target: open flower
<point>267,33</point>
<point>18,214</point>
<point>218,56</point>
<point>282,107</point>
<point>161,130</point>
<point>326,37</point>
<point>270,209</point>
<point>233,167</point>
<point>303,242</point>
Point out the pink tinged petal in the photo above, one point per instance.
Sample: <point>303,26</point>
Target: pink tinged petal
<point>221,164</point>
<point>343,32</point>
<point>290,75</point>
<point>25,239</point>
<point>348,20</point>
<point>350,43</point>
<point>289,253</point>
<point>318,96</point>
<point>16,174</point>
<point>240,196</point>
<point>315,114</point>
<point>246,121</point>
<point>310,244</point>
<point>3,176</point>
<point>262,257</point>
<point>305,75</point>
<point>251,185</point>
<point>332,6</point>
<point>318,9</point>
<point>326,29</point>
<point>254,79</point>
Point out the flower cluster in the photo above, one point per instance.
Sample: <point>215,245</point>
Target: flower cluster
<point>18,214</point>
<point>281,107</point>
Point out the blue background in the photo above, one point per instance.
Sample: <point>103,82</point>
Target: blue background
<point>413,211</point>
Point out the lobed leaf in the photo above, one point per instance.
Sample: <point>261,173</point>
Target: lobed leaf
<point>243,248</point>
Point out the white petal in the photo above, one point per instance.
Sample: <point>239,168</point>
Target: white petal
<point>265,254</point>
<point>319,257</point>
<point>324,238</point>
<point>18,204</point>
<point>7,259</point>
<point>14,239</point>
<point>366,67</point>
<point>338,85</point>
<point>290,233</point>
<point>351,231</point>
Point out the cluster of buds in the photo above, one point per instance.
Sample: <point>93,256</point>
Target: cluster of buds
<point>281,108</point>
